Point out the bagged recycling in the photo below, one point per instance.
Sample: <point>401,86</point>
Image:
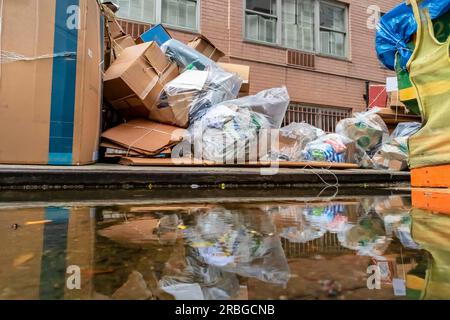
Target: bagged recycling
<point>330,148</point>
<point>293,138</point>
<point>367,129</point>
<point>186,57</point>
<point>189,96</point>
<point>393,154</point>
<point>230,130</point>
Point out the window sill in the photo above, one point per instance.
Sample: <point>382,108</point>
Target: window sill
<point>262,43</point>
<point>182,29</point>
<point>329,56</point>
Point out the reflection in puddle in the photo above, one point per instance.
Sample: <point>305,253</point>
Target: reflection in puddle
<point>353,248</point>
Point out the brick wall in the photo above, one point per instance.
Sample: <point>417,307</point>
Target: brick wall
<point>332,82</point>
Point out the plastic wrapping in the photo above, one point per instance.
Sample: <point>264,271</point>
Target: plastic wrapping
<point>367,129</point>
<point>186,57</point>
<point>293,138</point>
<point>237,243</point>
<point>194,92</point>
<point>330,148</point>
<point>394,153</point>
<point>227,130</point>
<point>367,237</point>
<point>396,28</point>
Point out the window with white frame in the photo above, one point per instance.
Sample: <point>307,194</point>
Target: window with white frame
<point>177,13</point>
<point>310,25</point>
<point>261,20</point>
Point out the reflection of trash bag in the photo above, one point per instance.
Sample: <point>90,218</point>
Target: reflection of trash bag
<point>226,131</point>
<point>396,28</point>
<point>367,129</point>
<point>185,56</point>
<point>400,226</point>
<point>194,92</point>
<point>367,237</point>
<point>292,141</point>
<point>198,281</point>
<point>236,244</point>
<point>330,218</point>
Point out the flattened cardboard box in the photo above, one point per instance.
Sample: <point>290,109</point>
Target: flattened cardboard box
<point>50,107</point>
<point>144,136</point>
<point>206,47</point>
<point>135,81</point>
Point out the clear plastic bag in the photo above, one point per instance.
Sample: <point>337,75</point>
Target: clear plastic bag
<point>367,129</point>
<point>194,92</point>
<point>393,154</point>
<point>186,57</point>
<point>330,148</point>
<point>293,138</point>
<point>230,130</point>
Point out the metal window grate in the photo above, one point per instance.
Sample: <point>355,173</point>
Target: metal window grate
<point>133,28</point>
<point>324,118</point>
<point>300,59</point>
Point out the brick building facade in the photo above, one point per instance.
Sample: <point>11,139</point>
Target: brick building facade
<point>322,50</point>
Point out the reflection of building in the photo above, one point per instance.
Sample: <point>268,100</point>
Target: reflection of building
<point>328,244</point>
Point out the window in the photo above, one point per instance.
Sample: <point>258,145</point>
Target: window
<point>298,24</point>
<point>332,29</point>
<point>261,20</point>
<point>177,13</point>
<point>309,25</point>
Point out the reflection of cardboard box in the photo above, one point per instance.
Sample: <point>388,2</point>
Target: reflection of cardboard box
<point>134,82</point>
<point>244,73</point>
<point>393,205</point>
<point>35,256</point>
<point>206,47</point>
<point>50,108</point>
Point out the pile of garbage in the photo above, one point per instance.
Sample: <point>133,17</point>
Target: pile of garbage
<point>169,93</point>
<point>179,102</point>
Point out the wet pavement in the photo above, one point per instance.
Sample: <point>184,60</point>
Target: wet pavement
<point>200,246</point>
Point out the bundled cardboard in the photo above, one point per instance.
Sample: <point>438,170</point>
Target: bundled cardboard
<point>244,73</point>
<point>50,83</point>
<point>206,47</point>
<point>135,81</point>
<point>144,136</point>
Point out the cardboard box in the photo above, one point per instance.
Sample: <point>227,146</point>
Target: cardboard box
<point>50,107</point>
<point>113,29</point>
<point>134,82</point>
<point>206,47</point>
<point>244,73</point>
<point>121,44</point>
<point>158,33</point>
<point>145,136</point>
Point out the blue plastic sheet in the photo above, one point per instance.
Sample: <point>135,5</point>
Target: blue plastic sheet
<point>396,28</point>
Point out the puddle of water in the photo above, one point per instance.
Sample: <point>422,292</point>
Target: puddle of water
<point>352,248</point>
